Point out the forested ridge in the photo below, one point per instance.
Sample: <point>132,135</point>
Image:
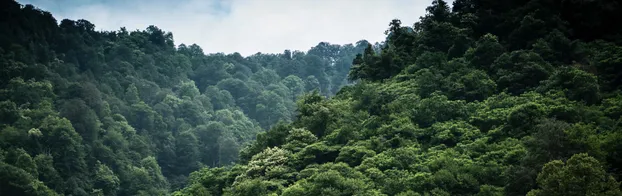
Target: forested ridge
<point>480,98</point>
<point>516,97</point>
<point>86,112</point>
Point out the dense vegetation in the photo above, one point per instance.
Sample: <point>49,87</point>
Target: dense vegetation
<point>484,98</point>
<point>481,98</point>
<point>85,112</point>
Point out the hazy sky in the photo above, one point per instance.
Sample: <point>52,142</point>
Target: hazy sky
<point>245,26</point>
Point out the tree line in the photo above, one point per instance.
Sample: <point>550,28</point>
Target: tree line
<point>518,97</point>
<point>86,112</point>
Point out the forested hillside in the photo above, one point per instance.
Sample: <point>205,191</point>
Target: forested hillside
<point>484,98</point>
<point>516,97</point>
<point>86,112</point>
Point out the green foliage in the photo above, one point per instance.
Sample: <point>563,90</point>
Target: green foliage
<point>374,67</point>
<point>332,179</point>
<point>580,175</point>
<point>298,139</point>
<point>271,159</point>
<point>250,188</point>
<point>520,71</point>
<point>16,181</point>
<point>106,180</point>
<point>578,85</point>
<point>478,98</point>
<point>88,112</point>
<point>354,155</point>
<point>470,101</point>
<point>450,133</point>
<point>437,109</point>
<point>487,49</point>
<point>294,84</point>
<point>474,85</point>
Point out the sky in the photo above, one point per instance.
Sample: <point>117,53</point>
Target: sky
<point>245,26</point>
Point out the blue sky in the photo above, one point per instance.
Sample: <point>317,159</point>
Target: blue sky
<point>245,26</point>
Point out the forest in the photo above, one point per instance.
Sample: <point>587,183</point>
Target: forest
<point>481,97</point>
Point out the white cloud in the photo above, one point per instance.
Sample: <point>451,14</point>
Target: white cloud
<point>250,26</point>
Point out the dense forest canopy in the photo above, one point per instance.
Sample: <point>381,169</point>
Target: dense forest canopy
<point>517,97</point>
<point>87,112</point>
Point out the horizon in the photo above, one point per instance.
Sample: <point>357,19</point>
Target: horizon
<point>294,25</point>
